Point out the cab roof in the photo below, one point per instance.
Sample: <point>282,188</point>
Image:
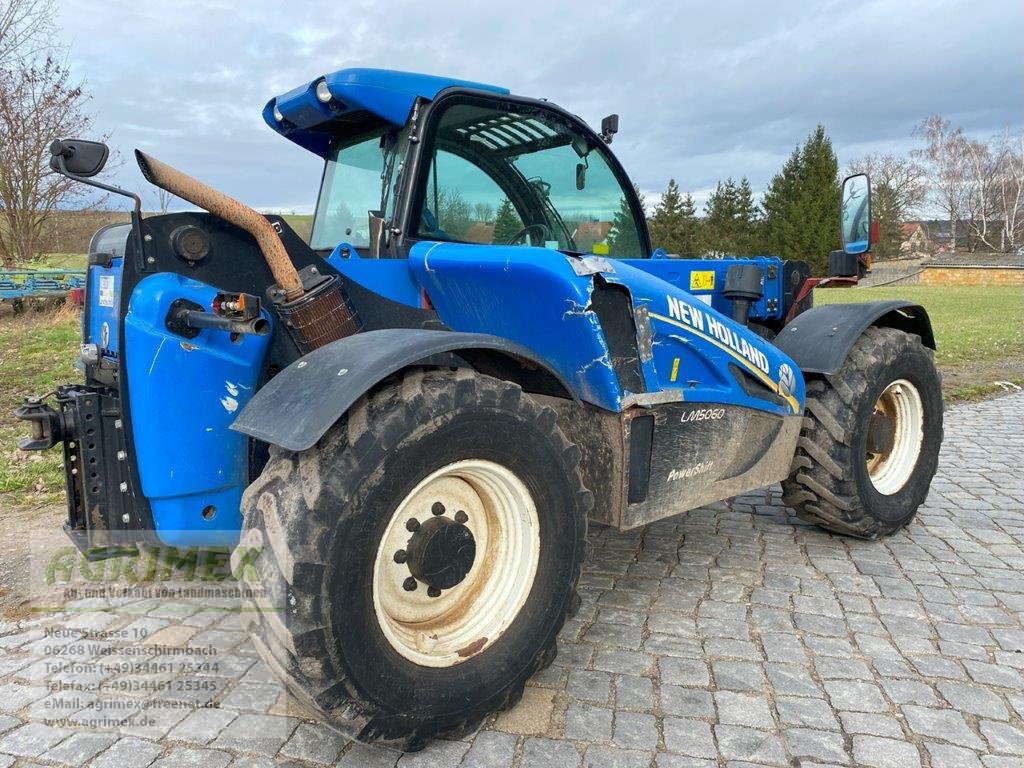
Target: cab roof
<point>357,95</point>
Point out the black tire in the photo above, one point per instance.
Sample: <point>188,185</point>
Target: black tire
<point>319,515</point>
<point>829,483</point>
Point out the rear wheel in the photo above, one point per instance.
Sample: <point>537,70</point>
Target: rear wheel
<point>419,562</point>
<point>870,441</point>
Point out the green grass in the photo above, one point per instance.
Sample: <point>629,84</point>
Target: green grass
<point>60,261</point>
<point>37,352</point>
<point>972,324</point>
<point>302,223</point>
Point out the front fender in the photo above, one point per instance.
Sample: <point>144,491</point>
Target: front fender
<point>819,339</point>
<point>295,408</point>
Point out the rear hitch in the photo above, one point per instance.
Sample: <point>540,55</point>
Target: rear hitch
<point>48,426</point>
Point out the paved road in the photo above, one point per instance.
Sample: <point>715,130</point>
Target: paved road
<point>729,636</point>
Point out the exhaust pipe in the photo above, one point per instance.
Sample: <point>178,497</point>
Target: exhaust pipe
<point>229,209</point>
<point>314,307</point>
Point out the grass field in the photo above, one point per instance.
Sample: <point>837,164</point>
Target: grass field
<point>972,324</point>
<point>60,261</point>
<point>980,335</point>
<point>37,352</point>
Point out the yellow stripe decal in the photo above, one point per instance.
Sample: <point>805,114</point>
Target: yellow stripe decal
<point>793,402</point>
<point>675,370</point>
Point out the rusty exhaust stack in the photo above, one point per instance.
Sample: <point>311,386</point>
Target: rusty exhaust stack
<point>314,307</point>
<point>229,209</point>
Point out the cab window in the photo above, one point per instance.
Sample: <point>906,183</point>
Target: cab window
<point>524,177</point>
<point>357,188</point>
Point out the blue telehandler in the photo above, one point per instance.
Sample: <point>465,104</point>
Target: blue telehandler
<point>404,425</point>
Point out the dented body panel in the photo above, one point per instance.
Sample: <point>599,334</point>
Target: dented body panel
<point>545,300</point>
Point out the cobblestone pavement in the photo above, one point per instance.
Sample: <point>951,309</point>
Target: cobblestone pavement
<point>730,636</point>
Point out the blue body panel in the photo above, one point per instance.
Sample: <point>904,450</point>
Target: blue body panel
<point>103,297</point>
<point>705,343</point>
<point>184,395</point>
<point>387,94</point>
<point>534,296</point>
<point>392,278</point>
<point>689,274</point>
<point>529,295</point>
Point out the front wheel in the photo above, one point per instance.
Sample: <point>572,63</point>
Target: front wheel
<point>419,562</point>
<point>870,441</point>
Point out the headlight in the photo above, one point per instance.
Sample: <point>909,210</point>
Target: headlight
<point>323,93</point>
<point>277,114</point>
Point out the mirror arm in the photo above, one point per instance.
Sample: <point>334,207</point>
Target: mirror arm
<point>99,185</point>
<point>136,208</point>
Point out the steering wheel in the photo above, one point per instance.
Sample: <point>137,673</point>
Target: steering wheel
<point>544,229</point>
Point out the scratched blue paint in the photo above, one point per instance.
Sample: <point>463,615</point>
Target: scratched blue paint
<point>703,372</point>
<point>184,394</point>
<point>534,297</point>
<point>528,295</point>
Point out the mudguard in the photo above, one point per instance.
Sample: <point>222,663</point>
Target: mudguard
<point>296,407</point>
<point>819,339</point>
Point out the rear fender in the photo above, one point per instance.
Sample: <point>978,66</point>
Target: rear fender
<point>819,339</point>
<point>296,407</point>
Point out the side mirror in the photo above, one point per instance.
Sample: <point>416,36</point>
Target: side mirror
<point>855,214</point>
<point>78,156</point>
<point>609,127</point>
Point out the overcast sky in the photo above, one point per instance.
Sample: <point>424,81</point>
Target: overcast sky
<point>705,90</point>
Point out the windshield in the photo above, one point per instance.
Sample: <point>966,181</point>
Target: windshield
<point>356,187</point>
<point>525,178</point>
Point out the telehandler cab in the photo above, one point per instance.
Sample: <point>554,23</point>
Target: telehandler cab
<point>412,417</point>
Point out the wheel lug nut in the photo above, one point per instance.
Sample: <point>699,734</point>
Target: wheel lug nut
<point>409,585</point>
<point>433,592</point>
<point>401,556</point>
<point>461,517</point>
<point>412,525</point>
<point>437,508</point>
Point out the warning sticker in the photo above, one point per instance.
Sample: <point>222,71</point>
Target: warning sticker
<point>106,297</point>
<point>702,281</point>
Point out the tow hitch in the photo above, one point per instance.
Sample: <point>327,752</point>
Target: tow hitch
<point>104,512</point>
<point>48,427</point>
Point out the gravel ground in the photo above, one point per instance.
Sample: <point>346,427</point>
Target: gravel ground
<point>730,636</point>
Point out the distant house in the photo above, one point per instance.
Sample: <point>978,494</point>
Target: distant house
<point>587,233</point>
<point>916,242</point>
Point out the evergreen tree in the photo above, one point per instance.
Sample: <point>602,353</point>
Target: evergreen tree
<point>719,219</point>
<point>802,204</point>
<point>667,221</point>
<point>623,238</point>
<point>732,220</point>
<point>690,228</point>
<point>507,223</point>
<point>746,235</point>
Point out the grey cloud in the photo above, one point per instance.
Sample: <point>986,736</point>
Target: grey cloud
<point>705,91</point>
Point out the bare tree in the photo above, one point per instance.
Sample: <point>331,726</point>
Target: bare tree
<point>905,177</point>
<point>1011,189</point>
<point>25,30</point>
<point>163,199</point>
<point>900,187</point>
<point>39,102</point>
<point>945,159</point>
<point>996,191</point>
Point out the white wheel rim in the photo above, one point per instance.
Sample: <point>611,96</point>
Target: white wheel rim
<point>469,617</point>
<point>890,470</point>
